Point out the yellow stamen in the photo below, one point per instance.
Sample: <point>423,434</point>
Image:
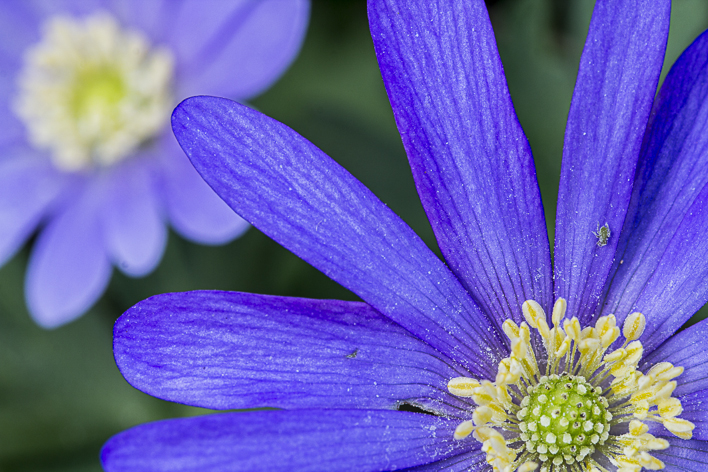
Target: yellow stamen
<point>634,326</point>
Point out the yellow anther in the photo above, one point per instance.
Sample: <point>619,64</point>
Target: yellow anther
<point>641,409</point>
<point>635,350</point>
<point>634,326</point>
<point>634,353</point>
<point>680,427</point>
<point>626,385</point>
<point>628,465</point>
<point>511,329</point>
<point>650,462</point>
<point>587,332</point>
<point>528,467</point>
<point>557,336</point>
<point>564,347</point>
<point>665,390</point>
<point>605,323</point>
<point>503,395</point>
<point>589,345</point>
<point>543,329</point>
<point>482,415</point>
<point>664,371</point>
<point>615,356</point>
<point>509,371</point>
<point>462,386</point>
<point>610,336</point>
<point>622,369</point>
<point>519,348</point>
<point>637,428</point>
<point>533,312</point>
<point>559,309</point>
<point>572,328</point>
<point>525,332</point>
<point>486,393</point>
<point>484,433</point>
<point>463,430</point>
<point>669,407</point>
<point>657,444</point>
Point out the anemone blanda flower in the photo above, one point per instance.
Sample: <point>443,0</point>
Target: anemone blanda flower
<point>87,151</point>
<point>468,341</point>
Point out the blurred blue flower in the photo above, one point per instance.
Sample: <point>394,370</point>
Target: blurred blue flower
<point>454,339</point>
<point>87,154</point>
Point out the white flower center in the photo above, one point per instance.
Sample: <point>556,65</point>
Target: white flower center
<point>90,92</point>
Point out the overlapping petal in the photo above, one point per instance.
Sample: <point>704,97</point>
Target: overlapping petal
<point>241,53</point>
<point>227,350</point>
<point>193,208</point>
<point>469,156</point>
<point>300,440</point>
<point>232,48</point>
<point>301,198</point>
<point>68,269</point>
<point>155,18</point>
<point>694,410</point>
<point>617,79</point>
<point>655,271</point>
<point>28,186</point>
<point>134,233</point>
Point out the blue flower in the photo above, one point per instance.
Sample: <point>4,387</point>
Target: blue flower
<point>468,341</point>
<point>87,153</point>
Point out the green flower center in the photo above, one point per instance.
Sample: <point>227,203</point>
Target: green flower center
<point>563,418</point>
<point>98,92</point>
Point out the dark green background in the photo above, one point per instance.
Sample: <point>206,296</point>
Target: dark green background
<point>61,395</point>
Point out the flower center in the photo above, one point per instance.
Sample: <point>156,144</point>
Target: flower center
<point>577,404</point>
<point>563,417</point>
<point>90,93</point>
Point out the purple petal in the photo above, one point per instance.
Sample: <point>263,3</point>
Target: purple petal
<point>683,455</point>
<point>300,440</point>
<point>694,410</point>
<point>617,79</point>
<point>27,188</point>
<point>471,161</point>
<point>227,350</point>
<point>45,8</point>
<point>68,269</point>
<point>471,461</point>
<point>237,49</point>
<point>685,349</point>
<point>301,198</point>
<point>662,258</point>
<point>152,18</point>
<point>134,233</point>
<point>19,27</point>
<point>195,211</point>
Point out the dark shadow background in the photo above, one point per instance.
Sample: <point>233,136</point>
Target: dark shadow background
<point>61,395</point>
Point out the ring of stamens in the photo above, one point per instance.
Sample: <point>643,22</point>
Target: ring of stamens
<point>559,414</point>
